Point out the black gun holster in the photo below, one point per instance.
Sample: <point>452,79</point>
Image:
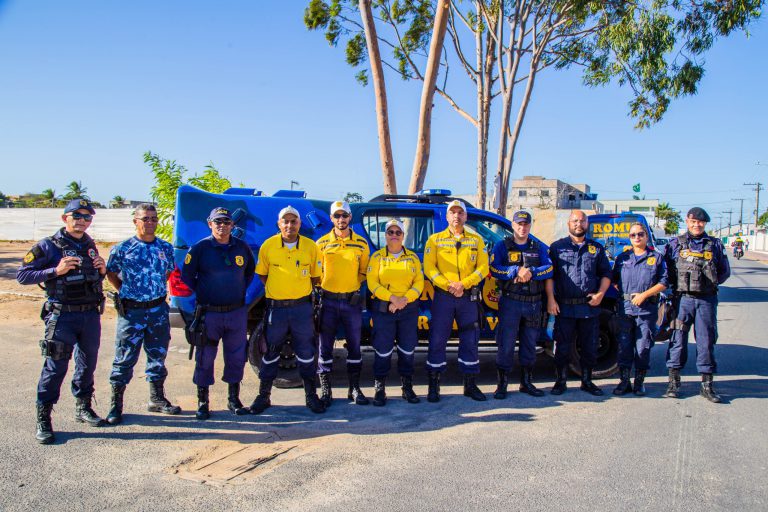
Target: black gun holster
<point>50,347</point>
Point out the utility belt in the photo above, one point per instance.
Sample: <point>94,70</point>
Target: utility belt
<point>272,303</point>
<point>574,302</point>
<point>695,295</point>
<point>122,305</point>
<point>195,331</point>
<point>474,294</point>
<point>650,300</point>
<point>353,298</point>
<point>521,298</point>
<point>51,347</point>
<point>226,308</point>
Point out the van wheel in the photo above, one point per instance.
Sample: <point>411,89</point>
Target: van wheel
<point>607,351</point>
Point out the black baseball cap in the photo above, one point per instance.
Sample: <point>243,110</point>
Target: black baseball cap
<point>79,204</point>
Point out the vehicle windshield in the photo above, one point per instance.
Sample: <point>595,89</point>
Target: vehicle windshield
<point>613,231</point>
<point>489,230</point>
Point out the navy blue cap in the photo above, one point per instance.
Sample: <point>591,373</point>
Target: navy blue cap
<point>698,214</point>
<point>521,216</point>
<point>220,213</point>
<point>79,204</point>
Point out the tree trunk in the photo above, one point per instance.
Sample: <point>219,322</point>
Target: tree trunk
<point>421,160</point>
<point>380,93</point>
<point>482,171</point>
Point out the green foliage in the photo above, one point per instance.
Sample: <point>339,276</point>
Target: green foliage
<point>671,227</point>
<point>168,176</point>
<point>75,190</point>
<point>353,197</point>
<point>762,221</point>
<point>671,216</point>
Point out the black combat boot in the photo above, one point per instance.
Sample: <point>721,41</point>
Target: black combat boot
<point>310,395</point>
<point>501,387</point>
<point>624,386</point>
<point>203,410</point>
<point>115,414</point>
<point>707,391</point>
<point>380,389</point>
<point>673,388</point>
<point>234,404</point>
<point>587,384</point>
<point>85,414</point>
<point>355,394</point>
<point>433,392</point>
<point>561,379</point>
<point>326,392</point>
<point>526,382</point>
<point>639,386</point>
<point>262,400</point>
<point>157,400</point>
<point>408,394</point>
<point>471,390</point>
<point>44,434</point>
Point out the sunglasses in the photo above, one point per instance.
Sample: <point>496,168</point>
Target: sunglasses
<point>637,235</point>
<point>222,222</point>
<point>82,216</point>
<point>340,215</point>
<point>392,232</point>
<point>148,219</point>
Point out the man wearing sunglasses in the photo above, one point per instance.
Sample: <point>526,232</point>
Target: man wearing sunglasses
<point>70,268</point>
<point>456,262</point>
<point>522,266</point>
<point>344,255</point>
<point>219,269</point>
<point>138,268</point>
<point>697,265</point>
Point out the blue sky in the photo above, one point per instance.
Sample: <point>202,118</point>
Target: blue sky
<point>87,87</point>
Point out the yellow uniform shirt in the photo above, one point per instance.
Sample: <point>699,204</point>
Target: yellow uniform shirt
<point>344,261</point>
<point>399,276</point>
<point>444,263</point>
<point>289,271</point>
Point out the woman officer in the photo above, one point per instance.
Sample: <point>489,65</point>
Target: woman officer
<point>396,281</point>
<point>639,274</point>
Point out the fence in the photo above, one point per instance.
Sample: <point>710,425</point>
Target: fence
<point>111,225</point>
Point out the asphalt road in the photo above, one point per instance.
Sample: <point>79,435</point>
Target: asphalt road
<point>574,452</point>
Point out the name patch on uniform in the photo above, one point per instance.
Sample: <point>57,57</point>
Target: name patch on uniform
<point>187,258</point>
<point>592,249</point>
<point>652,260</point>
<point>239,260</point>
<point>514,256</point>
<point>29,257</point>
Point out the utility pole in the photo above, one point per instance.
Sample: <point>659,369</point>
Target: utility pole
<point>729,212</point>
<point>741,212</point>
<point>758,187</point>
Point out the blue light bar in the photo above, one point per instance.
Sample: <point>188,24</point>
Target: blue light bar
<point>434,192</point>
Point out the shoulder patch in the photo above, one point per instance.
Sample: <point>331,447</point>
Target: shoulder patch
<point>29,258</point>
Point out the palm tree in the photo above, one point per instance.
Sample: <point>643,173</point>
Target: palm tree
<point>50,197</point>
<point>76,190</point>
<point>117,202</point>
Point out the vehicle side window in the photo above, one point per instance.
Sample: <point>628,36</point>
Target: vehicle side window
<point>418,227</point>
<point>489,230</point>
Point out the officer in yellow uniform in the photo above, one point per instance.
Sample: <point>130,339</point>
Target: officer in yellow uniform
<point>344,256</point>
<point>456,263</point>
<point>396,282</point>
<point>288,265</point>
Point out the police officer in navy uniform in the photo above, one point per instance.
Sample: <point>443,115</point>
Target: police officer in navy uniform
<point>138,268</point>
<point>639,275</point>
<point>522,266</point>
<point>344,255</point>
<point>456,262</point>
<point>289,265</point>
<point>69,266</point>
<point>697,264</point>
<point>582,275</point>
<point>219,269</point>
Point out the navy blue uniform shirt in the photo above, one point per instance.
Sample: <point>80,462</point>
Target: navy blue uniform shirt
<point>40,262</point>
<point>578,269</point>
<point>501,267</point>
<point>635,274</point>
<point>219,273</point>
<point>697,244</point>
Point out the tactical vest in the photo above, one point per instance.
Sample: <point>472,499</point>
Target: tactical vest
<point>81,285</point>
<point>696,271</point>
<point>528,257</point>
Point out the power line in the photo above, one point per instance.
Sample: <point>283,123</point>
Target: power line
<point>758,187</point>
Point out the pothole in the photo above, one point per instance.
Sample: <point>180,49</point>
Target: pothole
<point>232,463</point>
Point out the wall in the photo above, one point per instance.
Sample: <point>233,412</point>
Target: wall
<point>35,223</point>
